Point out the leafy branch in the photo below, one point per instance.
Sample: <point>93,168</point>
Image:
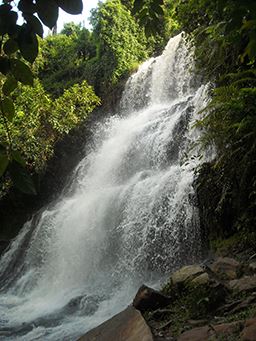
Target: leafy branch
<point>19,46</point>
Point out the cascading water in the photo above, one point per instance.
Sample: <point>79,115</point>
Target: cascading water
<point>128,218</point>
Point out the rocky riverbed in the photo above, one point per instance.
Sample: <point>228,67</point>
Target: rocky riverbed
<point>212,301</point>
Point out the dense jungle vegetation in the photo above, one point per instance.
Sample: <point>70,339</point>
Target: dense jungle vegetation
<point>77,69</point>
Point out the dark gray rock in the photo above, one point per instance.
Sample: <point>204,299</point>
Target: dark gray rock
<point>150,299</point>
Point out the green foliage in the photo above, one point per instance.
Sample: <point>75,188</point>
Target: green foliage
<point>223,31</point>
<point>63,58</point>
<point>150,14</point>
<point>115,47</point>
<point>72,107</point>
<point>39,122</point>
<point>120,41</point>
<point>19,43</point>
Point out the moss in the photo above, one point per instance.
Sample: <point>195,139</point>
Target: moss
<point>242,242</point>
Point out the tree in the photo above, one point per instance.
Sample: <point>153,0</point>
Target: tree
<point>121,42</point>
<point>18,45</point>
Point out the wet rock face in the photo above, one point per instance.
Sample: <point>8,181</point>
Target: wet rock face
<point>3,245</point>
<point>128,325</point>
<point>219,210</point>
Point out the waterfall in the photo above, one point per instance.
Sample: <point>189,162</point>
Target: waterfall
<point>128,217</point>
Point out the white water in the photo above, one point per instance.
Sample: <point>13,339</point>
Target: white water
<point>128,218</point>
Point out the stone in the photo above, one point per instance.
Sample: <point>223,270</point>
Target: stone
<point>128,325</point>
<point>201,279</point>
<point>186,274</point>
<point>246,283</point>
<point>252,267</point>
<point>250,322</point>
<point>211,332</point>
<point>249,332</point>
<point>228,328</point>
<point>197,334</point>
<point>150,299</point>
<point>226,268</point>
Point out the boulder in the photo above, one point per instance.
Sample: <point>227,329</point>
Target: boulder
<point>196,334</point>
<point>228,328</point>
<point>252,267</point>
<point>249,332</point>
<point>128,325</point>
<point>150,299</point>
<point>201,279</point>
<point>212,332</point>
<point>226,268</point>
<point>246,283</point>
<point>186,274</point>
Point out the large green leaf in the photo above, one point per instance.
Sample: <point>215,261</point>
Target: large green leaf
<point>4,161</point>
<point>34,24</point>
<point>6,18</point>
<point>48,12</point>
<point>26,6</point>
<point>9,85</point>
<point>28,43</point>
<point>21,72</point>
<point>4,65</point>
<point>10,46</point>
<point>4,9</point>
<point>22,180</point>
<point>71,6</point>
<point>7,108</point>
